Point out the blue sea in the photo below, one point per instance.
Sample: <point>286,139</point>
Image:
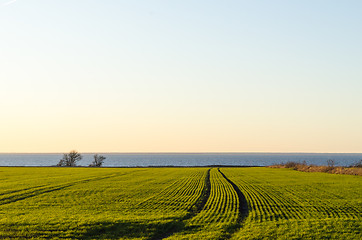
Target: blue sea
<point>184,159</point>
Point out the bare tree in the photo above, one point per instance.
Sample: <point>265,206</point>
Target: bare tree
<point>357,164</point>
<point>70,159</point>
<point>331,163</point>
<point>98,160</point>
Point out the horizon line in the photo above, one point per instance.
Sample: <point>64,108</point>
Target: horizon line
<point>221,152</point>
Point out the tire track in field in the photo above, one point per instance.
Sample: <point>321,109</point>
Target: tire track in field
<point>19,190</point>
<point>243,210</point>
<point>43,190</point>
<point>178,225</point>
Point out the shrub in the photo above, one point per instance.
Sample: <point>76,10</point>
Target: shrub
<point>291,164</point>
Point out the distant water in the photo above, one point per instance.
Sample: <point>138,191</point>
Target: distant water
<point>185,159</point>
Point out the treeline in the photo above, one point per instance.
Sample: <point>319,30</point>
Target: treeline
<point>70,160</point>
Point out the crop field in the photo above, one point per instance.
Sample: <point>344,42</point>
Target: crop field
<point>286,204</point>
<point>178,203</point>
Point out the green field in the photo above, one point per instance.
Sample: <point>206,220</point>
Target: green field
<point>178,203</point>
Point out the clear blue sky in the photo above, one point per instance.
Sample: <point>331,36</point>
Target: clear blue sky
<point>184,76</point>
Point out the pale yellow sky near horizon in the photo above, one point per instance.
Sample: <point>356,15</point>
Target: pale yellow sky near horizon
<point>159,76</point>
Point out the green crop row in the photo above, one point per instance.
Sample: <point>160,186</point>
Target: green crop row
<point>95,203</point>
<point>178,203</point>
<point>219,213</point>
<point>285,204</point>
<point>179,196</point>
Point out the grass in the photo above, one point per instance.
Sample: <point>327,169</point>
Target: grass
<point>95,203</point>
<point>178,203</point>
<point>286,204</point>
<point>220,212</point>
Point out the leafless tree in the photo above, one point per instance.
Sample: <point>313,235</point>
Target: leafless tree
<point>98,160</point>
<point>70,159</point>
<point>331,163</point>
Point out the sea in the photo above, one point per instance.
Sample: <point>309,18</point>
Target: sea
<point>182,159</point>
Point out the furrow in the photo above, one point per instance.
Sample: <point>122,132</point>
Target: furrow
<point>179,224</point>
<point>242,206</point>
<point>44,190</point>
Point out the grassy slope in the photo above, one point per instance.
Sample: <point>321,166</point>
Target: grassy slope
<point>286,204</point>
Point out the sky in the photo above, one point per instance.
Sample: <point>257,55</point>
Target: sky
<point>180,76</point>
